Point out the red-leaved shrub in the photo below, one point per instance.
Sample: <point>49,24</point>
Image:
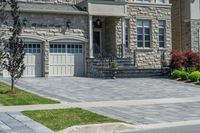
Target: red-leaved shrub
<point>192,59</point>
<point>177,59</point>
<point>181,60</point>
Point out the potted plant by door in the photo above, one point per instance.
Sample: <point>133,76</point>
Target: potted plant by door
<point>114,68</point>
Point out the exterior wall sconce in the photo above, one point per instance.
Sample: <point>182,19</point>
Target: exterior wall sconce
<point>68,23</point>
<point>24,21</point>
<point>98,23</point>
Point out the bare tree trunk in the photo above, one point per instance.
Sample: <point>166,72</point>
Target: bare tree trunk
<point>12,86</point>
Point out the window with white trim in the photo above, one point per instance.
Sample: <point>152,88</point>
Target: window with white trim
<point>144,33</point>
<point>162,33</point>
<point>74,48</point>
<point>57,48</point>
<point>32,48</point>
<point>65,48</point>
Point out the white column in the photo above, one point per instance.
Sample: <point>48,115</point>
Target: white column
<point>91,37</point>
<point>123,36</point>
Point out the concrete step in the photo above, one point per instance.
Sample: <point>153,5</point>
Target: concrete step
<point>129,73</point>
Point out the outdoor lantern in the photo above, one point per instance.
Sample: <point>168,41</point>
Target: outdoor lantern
<point>98,23</point>
<point>24,21</point>
<point>68,23</point>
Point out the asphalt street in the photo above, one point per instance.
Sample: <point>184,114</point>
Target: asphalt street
<point>180,129</point>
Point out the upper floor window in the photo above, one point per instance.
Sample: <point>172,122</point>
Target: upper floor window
<point>127,29</point>
<point>143,33</point>
<point>162,33</point>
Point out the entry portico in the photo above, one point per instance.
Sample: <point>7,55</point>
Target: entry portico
<point>104,17</point>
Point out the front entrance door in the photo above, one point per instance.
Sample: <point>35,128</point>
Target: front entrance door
<point>97,43</point>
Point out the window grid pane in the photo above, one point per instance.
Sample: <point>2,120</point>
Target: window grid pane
<point>32,48</point>
<point>162,26</point>
<point>143,33</point>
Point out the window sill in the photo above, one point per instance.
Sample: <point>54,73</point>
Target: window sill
<point>144,49</point>
<point>162,49</point>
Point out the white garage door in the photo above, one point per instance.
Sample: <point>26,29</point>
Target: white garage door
<point>32,61</point>
<point>66,59</point>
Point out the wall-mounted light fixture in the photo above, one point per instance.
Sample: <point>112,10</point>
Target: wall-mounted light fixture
<point>24,21</point>
<point>68,23</point>
<point>98,23</point>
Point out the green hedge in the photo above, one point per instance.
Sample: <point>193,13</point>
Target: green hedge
<point>176,74</point>
<point>194,76</point>
<point>184,75</point>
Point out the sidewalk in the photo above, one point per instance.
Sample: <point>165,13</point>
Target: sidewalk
<point>121,103</point>
<point>15,122</point>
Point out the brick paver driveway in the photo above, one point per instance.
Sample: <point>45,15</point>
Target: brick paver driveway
<point>76,89</point>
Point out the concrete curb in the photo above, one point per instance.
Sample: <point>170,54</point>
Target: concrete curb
<point>99,128</point>
<point>161,126</point>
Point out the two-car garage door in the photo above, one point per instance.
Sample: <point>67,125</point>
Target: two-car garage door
<point>66,59</point>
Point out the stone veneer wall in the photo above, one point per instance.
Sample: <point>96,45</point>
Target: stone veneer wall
<point>150,57</point>
<point>195,37</point>
<point>78,28</point>
<point>112,34</point>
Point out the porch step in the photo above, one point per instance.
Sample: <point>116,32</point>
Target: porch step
<point>106,63</point>
<point>130,73</point>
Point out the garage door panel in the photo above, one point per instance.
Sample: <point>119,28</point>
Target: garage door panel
<point>59,69</point>
<point>63,61</point>
<point>72,60</point>
<point>32,61</point>
<point>68,60</point>
<point>59,59</point>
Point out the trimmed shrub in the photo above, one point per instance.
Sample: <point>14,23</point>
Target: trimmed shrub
<point>176,74</point>
<point>191,69</point>
<point>184,75</point>
<point>194,76</point>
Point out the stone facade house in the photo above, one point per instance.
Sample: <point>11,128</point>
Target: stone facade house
<point>72,37</point>
<point>186,24</point>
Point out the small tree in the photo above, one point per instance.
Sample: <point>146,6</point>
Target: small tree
<point>15,48</point>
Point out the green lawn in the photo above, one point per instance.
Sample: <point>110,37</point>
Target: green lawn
<point>60,119</point>
<point>21,97</point>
